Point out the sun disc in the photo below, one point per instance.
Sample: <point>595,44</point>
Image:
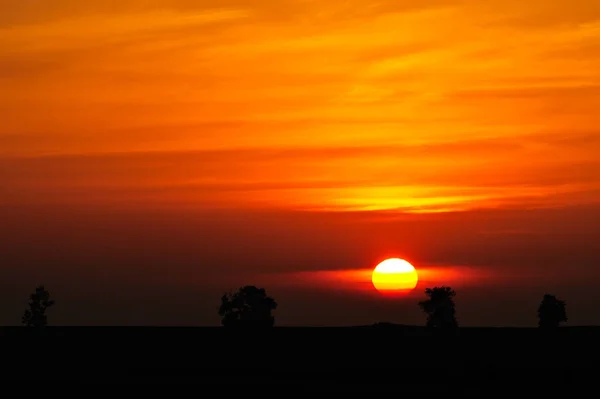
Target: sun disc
<point>394,276</point>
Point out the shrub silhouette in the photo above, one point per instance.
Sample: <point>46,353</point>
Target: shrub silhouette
<point>39,302</point>
<point>247,307</point>
<point>440,308</point>
<point>551,312</point>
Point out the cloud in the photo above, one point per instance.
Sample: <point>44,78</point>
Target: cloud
<point>274,101</point>
<point>582,93</point>
<point>544,170</point>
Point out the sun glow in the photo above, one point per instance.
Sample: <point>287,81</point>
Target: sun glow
<point>394,276</point>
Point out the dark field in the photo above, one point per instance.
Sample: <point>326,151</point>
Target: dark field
<point>389,358</point>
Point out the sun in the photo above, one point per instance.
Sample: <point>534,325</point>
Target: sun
<point>394,276</point>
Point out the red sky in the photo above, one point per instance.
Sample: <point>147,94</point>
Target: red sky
<point>154,154</point>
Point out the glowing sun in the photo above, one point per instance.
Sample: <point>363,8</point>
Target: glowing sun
<point>394,276</point>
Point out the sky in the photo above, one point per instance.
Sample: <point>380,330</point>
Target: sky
<point>155,154</point>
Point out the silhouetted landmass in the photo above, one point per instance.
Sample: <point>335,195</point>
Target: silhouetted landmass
<point>371,358</point>
<point>383,329</point>
<point>383,357</point>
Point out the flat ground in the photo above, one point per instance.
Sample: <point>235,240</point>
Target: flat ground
<point>383,358</point>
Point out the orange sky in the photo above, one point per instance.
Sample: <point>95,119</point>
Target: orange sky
<point>297,105</point>
<point>337,105</point>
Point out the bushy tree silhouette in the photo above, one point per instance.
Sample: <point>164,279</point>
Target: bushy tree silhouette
<point>39,302</point>
<point>247,307</point>
<point>551,312</point>
<point>440,308</point>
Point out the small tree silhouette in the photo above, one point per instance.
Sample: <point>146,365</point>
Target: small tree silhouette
<point>247,307</point>
<point>551,312</point>
<point>440,308</point>
<point>39,302</point>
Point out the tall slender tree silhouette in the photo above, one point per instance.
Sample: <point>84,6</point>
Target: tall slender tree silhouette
<point>551,312</point>
<point>440,309</point>
<point>39,302</point>
<point>247,307</point>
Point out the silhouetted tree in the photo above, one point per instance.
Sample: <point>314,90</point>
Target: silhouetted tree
<point>247,307</point>
<point>440,308</point>
<point>39,302</point>
<point>551,312</point>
